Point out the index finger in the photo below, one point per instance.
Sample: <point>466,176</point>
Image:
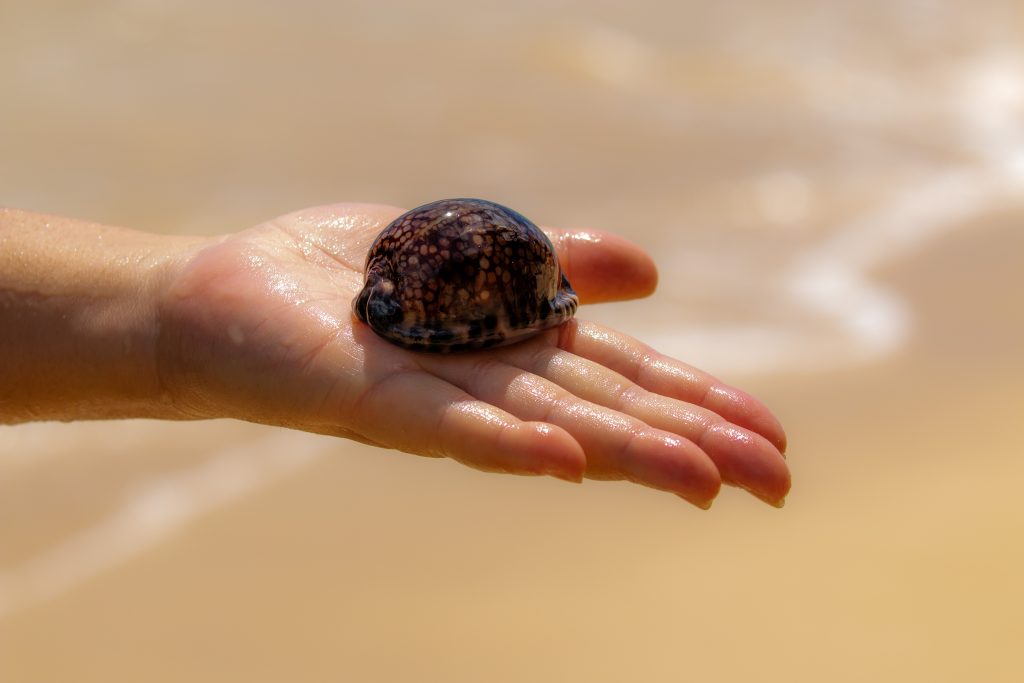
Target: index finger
<point>602,266</point>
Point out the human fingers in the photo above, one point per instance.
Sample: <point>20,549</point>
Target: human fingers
<point>415,412</point>
<point>601,266</point>
<point>667,376</point>
<point>617,445</point>
<point>743,458</point>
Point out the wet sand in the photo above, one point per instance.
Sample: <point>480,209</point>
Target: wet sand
<point>225,551</point>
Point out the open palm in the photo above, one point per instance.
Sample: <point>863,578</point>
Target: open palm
<point>258,326</point>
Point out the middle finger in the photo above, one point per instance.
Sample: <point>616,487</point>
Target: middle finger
<point>743,457</point>
<point>617,445</point>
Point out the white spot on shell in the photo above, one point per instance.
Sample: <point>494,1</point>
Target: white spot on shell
<point>236,335</point>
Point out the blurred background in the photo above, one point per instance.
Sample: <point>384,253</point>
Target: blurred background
<point>834,194</point>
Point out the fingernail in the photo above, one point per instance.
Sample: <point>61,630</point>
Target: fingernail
<point>702,504</point>
<point>571,476</point>
<point>763,496</point>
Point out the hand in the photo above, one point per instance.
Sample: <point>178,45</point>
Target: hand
<point>258,326</point>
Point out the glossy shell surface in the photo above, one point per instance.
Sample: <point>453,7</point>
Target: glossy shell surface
<point>460,274</point>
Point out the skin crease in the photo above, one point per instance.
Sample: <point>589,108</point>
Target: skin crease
<point>257,325</point>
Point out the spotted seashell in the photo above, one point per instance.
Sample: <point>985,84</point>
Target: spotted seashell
<point>460,274</point>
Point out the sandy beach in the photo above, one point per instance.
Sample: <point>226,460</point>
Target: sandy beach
<point>834,198</point>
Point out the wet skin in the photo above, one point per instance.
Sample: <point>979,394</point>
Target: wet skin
<point>258,325</point>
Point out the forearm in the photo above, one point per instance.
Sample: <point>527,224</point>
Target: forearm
<point>78,318</point>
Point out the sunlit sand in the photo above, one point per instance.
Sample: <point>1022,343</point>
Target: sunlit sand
<point>834,198</point>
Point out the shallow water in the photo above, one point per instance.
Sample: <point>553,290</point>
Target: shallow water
<point>833,194</point>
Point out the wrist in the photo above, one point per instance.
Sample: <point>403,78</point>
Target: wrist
<point>79,320</point>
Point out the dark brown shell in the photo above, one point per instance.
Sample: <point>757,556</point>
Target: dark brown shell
<point>461,274</point>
